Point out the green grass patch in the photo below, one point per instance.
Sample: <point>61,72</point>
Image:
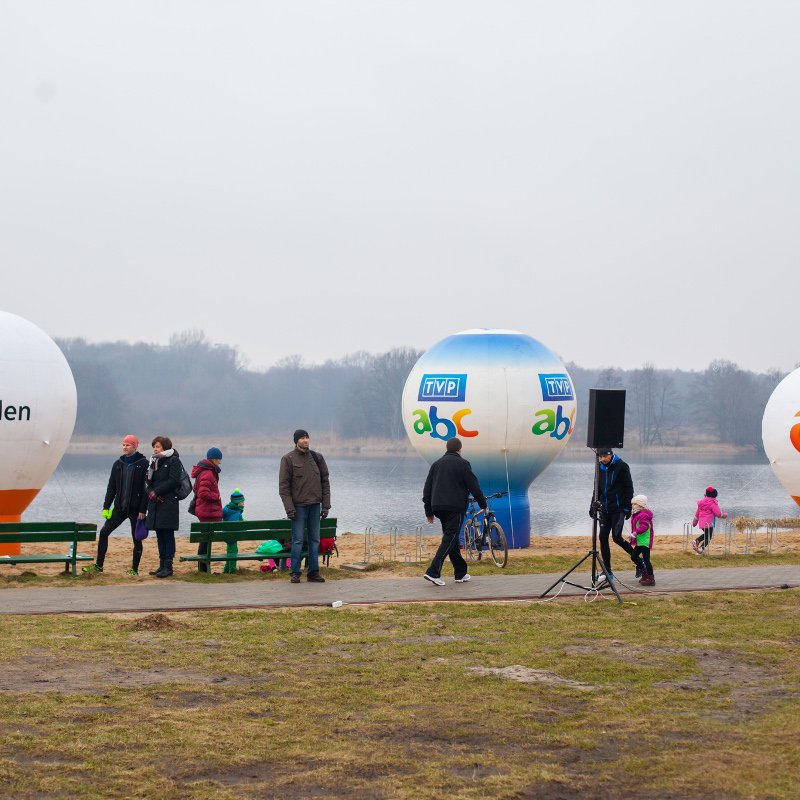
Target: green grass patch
<point>505,700</point>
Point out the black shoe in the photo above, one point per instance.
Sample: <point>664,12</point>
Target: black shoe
<point>295,577</point>
<point>165,571</point>
<point>158,568</point>
<point>315,577</point>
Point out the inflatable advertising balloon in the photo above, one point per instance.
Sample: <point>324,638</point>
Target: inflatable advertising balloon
<point>780,432</point>
<point>511,402</point>
<point>38,403</point>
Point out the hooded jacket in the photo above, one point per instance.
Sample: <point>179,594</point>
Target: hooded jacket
<point>707,509</point>
<point>616,487</point>
<point>303,480</point>
<point>449,483</point>
<point>642,528</point>
<point>208,503</point>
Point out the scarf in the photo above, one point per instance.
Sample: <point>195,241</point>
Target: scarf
<point>153,465</point>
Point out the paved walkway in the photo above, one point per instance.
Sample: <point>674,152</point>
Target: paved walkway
<point>180,595</point>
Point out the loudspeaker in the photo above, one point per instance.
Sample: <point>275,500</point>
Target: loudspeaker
<point>606,418</point>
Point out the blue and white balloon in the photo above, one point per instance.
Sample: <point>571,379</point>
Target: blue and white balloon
<point>508,398</point>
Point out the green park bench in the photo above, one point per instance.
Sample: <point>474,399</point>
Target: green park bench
<point>255,531</point>
<point>68,533</point>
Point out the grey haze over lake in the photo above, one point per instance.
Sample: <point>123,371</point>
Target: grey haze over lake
<point>386,492</point>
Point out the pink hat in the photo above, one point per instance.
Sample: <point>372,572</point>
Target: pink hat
<point>131,439</point>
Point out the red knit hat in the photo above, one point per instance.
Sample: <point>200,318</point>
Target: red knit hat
<point>131,439</point>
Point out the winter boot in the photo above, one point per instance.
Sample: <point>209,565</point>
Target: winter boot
<point>158,569</point>
<point>648,580</point>
<point>166,570</point>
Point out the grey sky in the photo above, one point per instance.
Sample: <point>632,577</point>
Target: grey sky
<point>620,180</point>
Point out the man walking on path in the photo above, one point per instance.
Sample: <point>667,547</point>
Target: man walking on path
<point>449,483</point>
<point>126,492</point>
<point>613,504</point>
<point>305,490</point>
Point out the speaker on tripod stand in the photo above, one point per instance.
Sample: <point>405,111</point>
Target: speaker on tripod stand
<point>605,431</point>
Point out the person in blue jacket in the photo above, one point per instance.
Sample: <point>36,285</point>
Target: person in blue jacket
<point>612,506</point>
<point>233,512</point>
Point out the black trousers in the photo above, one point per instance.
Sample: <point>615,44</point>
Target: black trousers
<point>449,547</point>
<point>613,524</point>
<point>640,551</point>
<point>705,538</point>
<point>112,523</point>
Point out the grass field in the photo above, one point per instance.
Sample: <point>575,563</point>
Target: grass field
<point>690,696</point>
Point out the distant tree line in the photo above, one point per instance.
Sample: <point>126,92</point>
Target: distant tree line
<point>192,386</point>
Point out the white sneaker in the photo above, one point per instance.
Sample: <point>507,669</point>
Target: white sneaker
<point>435,581</point>
<point>466,578</point>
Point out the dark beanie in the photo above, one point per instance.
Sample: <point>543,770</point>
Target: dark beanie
<point>605,451</point>
<point>237,497</point>
<point>453,445</point>
<point>300,434</point>
<point>214,452</point>
<point>711,492</point>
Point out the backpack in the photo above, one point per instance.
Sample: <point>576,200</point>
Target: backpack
<point>185,489</point>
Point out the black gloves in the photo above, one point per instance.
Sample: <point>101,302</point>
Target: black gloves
<point>324,513</point>
<point>627,513</point>
<point>291,514</point>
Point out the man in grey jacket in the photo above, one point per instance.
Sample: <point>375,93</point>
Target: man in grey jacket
<point>305,490</point>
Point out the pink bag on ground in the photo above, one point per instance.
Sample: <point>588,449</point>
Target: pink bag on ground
<point>270,566</point>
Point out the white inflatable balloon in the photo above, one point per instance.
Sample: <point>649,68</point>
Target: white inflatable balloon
<point>38,404</point>
<point>780,433</point>
<point>511,402</point>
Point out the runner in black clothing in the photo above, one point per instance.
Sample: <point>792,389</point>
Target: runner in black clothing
<point>614,497</point>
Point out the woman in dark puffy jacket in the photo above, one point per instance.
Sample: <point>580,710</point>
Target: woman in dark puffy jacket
<point>208,503</point>
<point>164,475</point>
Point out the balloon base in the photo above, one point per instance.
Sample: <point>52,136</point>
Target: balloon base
<point>12,548</point>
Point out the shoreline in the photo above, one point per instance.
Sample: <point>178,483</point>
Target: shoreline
<point>262,445</point>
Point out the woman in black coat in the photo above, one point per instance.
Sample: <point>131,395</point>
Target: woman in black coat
<point>163,480</point>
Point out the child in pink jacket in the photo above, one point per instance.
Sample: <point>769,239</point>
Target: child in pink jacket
<point>642,537</point>
<point>707,511</point>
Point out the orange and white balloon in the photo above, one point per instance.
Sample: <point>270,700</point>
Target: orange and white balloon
<point>38,404</point>
<point>780,432</point>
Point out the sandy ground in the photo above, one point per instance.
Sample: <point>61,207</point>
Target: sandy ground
<point>353,547</point>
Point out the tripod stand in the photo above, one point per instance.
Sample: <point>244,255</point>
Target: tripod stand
<point>600,573</point>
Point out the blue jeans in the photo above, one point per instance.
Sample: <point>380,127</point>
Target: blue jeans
<point>306,515</point>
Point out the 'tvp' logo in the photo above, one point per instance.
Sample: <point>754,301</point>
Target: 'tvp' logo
<point>556,386</point>
<point>447,387</point>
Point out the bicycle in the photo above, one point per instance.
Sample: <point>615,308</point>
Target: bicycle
<point>478,533</point>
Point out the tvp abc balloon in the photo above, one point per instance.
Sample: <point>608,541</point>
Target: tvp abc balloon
<point>780,432</point>
<point>511,402</point>
<point>38,403</point>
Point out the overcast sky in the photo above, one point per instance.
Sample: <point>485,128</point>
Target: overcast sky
<point>620,180</point>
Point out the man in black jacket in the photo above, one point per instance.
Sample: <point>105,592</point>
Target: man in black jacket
<point>126,491</point>
<point>613,504</point>
<point>450,482</point>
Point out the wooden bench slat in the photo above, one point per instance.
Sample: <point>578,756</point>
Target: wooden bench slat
<point>51,559</point>
<point>38,527</point>
<point>72,536</point>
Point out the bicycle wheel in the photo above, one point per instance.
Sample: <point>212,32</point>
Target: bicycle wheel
<point>498,545</point>
<point>470,545</point>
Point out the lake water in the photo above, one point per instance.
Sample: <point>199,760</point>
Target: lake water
<point>387,492</point>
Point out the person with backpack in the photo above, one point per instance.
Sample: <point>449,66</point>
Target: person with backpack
<point>164,487</point>
<point>208,503</point>
<point>125,500</point>
<point>305,489</point>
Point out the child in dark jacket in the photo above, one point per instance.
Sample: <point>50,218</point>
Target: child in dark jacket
<point>642,536</point>
<point>233,512</point>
